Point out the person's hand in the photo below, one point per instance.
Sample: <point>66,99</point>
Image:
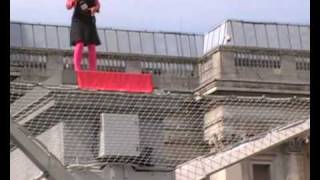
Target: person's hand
<point>71,3</point>
<point>93,10</point>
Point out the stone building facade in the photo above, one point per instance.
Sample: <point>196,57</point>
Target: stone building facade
<point>237,58</point>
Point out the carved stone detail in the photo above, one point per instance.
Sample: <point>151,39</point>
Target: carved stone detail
<point>296,144</point>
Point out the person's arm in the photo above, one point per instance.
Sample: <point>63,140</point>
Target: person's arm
<point>71,3</point>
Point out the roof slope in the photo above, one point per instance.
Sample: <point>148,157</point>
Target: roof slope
<point>171,126</point>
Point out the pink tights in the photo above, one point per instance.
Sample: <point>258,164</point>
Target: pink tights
<point>77,56</point>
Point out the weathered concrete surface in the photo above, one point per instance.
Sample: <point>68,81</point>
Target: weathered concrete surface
<point>221,72</point>
<point>21,168</point>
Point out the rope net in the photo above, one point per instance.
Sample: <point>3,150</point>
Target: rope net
<point>144,130</point>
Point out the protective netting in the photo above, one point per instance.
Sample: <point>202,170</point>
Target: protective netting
<point>154,130</point>
<point>203,167</point>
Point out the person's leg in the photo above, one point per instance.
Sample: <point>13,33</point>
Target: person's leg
<point>92,57</point>
<point>77,56</point>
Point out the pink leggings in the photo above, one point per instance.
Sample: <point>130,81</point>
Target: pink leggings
<point>77,56</point>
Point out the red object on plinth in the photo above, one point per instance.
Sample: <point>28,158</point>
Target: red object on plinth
<point>115,81</point>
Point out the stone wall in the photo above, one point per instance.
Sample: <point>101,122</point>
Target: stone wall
<point>255,70</point>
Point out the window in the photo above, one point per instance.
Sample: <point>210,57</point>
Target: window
<point>261,172</point>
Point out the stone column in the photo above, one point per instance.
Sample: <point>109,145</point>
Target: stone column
<point>296,169</point>
<point>133,66</point>
<point>54,70</point>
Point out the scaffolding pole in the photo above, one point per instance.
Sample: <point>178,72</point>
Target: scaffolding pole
<point>51,167</point>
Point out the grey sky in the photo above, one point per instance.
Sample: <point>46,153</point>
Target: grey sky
<point>166,15</point>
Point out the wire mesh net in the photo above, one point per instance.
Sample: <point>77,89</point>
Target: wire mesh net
<point>157,130</point>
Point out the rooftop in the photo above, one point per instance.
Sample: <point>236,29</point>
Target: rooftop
<point>171,126</point>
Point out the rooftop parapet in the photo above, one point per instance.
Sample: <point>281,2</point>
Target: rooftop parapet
<point>258,34</point>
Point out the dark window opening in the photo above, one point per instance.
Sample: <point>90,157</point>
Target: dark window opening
<point>254,62</point>
<point>302,66</point>
<point>246,62</point>
<point>258,63</point>
<point>236,63</point>
<point>261,172</point>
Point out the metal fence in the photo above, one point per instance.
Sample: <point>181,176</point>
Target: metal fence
<point>25,35</point>
<point>229,33</point>
<point>148,130</point>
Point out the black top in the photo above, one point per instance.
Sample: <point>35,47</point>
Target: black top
<point>81,11</point>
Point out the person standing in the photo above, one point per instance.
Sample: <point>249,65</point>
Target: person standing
<point>84,31</point>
